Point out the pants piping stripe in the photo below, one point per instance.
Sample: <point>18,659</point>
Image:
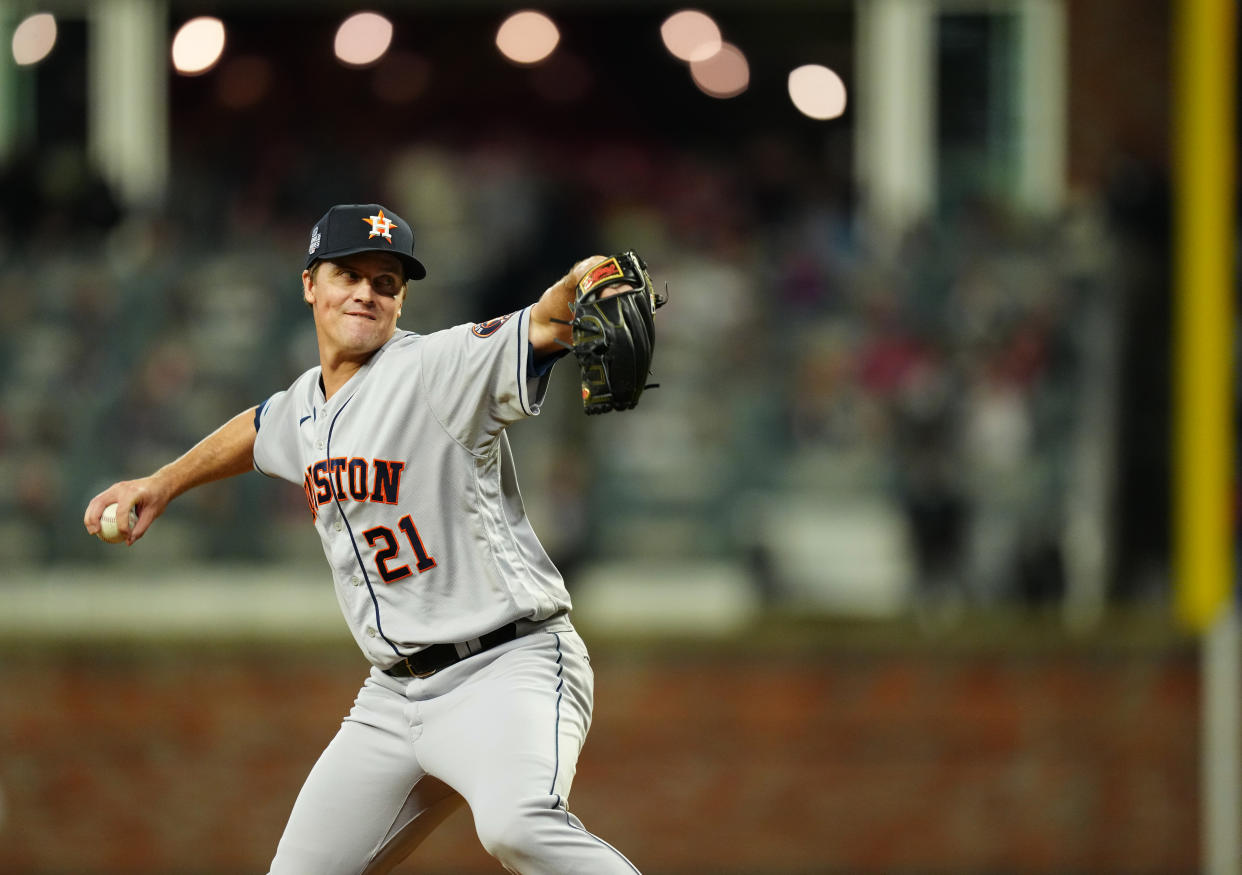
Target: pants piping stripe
<point>556,729</point>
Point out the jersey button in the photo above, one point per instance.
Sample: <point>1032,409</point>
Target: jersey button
<point>319,445</point>
<point>371,633</point>
<point>340,526</point>
<point>356,580</point>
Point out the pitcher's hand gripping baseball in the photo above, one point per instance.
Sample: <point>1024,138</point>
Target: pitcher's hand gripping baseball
<point>614,335</point>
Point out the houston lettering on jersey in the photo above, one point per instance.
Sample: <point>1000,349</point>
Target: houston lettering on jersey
<point>345,479</point>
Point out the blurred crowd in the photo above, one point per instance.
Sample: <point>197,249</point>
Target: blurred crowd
<point>859,422</point>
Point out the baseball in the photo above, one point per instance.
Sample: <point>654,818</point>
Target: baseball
<point>107,524</point>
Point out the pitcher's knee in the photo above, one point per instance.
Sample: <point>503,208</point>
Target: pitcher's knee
<point>513,833</point>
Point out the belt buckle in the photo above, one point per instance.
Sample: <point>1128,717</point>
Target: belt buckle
<point>417,674</point>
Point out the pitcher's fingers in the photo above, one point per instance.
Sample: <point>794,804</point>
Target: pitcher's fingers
<point>95,509</point>
<point>146,515</point>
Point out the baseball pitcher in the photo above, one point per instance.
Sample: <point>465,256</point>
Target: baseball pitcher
<point>480,690</point>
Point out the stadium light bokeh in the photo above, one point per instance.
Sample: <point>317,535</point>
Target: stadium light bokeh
<point>34,39</point>
<point>527,37</point>
<point>691,35</point>
<point>817,92</point>
<point>725,74</point>
<point>362,39</point>
<point>198,45</point>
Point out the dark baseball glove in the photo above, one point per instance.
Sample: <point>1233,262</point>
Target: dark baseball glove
<point>614,337</point>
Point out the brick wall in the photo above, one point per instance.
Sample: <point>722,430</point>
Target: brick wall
<point>844,760</point>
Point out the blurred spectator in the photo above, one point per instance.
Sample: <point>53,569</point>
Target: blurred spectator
<point>931,459</point>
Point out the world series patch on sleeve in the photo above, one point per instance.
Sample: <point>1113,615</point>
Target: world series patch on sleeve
<point>614,336</point>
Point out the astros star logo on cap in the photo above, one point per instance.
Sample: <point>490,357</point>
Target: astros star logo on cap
<point>381,226</point>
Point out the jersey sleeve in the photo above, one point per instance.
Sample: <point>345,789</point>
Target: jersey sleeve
<point>478,378</point>
<point>275,440</point>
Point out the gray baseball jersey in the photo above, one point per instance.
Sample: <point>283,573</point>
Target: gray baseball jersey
<point>411,484</point>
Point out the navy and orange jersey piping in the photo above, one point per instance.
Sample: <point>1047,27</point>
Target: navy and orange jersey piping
<point>362,568</point>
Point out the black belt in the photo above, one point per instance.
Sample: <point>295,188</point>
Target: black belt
<point>431,659</point>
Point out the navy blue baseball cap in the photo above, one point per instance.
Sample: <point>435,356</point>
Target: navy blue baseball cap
<point>349,228</point>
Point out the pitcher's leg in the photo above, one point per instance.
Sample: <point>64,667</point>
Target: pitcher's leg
<point>508,739</point>
<point>429,804</point>
<point>365,791</point>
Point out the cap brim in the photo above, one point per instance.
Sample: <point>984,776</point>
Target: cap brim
<point>414,269</point>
